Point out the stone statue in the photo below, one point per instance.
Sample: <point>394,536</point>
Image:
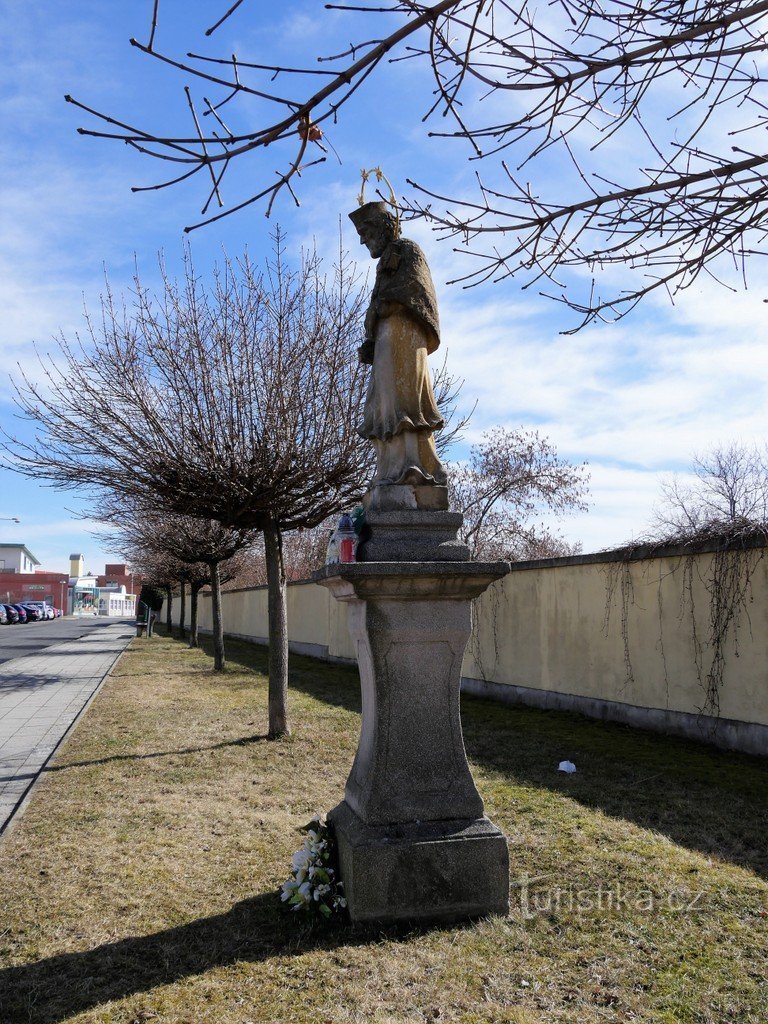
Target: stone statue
<point>413,840</point>
<point>401,330</point>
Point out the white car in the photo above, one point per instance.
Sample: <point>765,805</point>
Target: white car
<point>46,612</point>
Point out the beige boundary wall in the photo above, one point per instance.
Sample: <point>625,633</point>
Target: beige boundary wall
<point>551,634</point>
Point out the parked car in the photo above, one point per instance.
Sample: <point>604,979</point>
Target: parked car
<point>46,612</point>
<point>34,614</point>
<point>3,616</point>
<point>13,615</point>
<point>22,612</point>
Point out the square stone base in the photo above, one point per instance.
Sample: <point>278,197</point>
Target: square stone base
<point>412,536</point>
<point>401,497</point>
<point>426,871</point>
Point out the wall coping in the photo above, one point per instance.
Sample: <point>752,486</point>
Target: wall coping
<point>645,551</point>
<point>260,586</point>
<point>628,553</point>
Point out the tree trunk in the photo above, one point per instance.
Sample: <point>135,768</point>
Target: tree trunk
<point>218,625</point>
<point>278,633</point>
<point>168,611</point>
<point>193,641</point>
<point>182,611</point>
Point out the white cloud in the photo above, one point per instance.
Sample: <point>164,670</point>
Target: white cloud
<point>634,399</point>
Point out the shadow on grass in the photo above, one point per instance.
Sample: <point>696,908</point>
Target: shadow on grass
<point>257,929</point>
<point>60,987</point>
<point>244,741</point>
<point>705,799</point>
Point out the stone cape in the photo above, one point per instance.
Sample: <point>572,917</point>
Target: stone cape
<point>403,277</point>
<point>402,328</point>
<point>400,395</point>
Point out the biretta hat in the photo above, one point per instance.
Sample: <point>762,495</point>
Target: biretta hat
<point>371,213</point>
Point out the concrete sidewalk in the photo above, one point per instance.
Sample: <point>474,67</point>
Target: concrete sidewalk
<point>41,697</point>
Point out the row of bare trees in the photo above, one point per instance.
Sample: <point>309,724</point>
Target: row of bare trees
<point>199,417</point>
<point>209,423</point>
<point>171,551</point>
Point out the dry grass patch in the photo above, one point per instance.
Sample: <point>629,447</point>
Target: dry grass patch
<point>140,884</point>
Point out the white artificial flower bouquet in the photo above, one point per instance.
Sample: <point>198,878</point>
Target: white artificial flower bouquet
<point>314,888</point>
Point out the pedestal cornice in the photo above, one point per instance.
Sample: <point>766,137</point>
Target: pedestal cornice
<point>409,580</point>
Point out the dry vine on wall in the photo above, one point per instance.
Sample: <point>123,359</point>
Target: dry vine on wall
<point>727,582</point>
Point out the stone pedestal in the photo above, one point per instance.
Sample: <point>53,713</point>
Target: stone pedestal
<point>412,536</point>
<point>413,840</point>
<point>394,497</point>
<point>421,871</point>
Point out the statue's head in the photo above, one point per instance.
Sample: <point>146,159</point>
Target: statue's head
<point>376,225</point>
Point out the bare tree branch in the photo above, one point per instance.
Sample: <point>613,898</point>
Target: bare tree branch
<point>223,18</point>
<point>511,477</point>
<point>672,81</point>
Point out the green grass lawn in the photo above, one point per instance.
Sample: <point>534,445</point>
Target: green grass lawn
<point>140,884</point>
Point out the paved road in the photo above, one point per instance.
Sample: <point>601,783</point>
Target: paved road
<point>30,637</point>
<point>43,693</point>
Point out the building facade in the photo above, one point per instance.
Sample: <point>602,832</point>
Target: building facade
<point>51,587</point>
<point>111,593</point>
<point>17,558</point>
<point>80,593</point>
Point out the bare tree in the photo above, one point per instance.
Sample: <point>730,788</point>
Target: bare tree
<point>672,92</point>
<point>511,477</point>
<point>303,552</point>
<point>151,597</point>
<point>159,573</point>
<point>236,404</point>
<point>189,551</point>
<point>729,492</point>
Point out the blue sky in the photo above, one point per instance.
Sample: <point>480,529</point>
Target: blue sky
<point>634,400</point>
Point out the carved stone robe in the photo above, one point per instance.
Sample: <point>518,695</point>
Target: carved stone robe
<point>402,328</point>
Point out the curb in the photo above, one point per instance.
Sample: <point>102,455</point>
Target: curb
<point>21,803</point>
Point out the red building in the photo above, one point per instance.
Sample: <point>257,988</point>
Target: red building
<point>117,575</point>
<point>21,580</point>
<point>51,587</point>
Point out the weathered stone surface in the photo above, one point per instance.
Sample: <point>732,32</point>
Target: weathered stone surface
<point>411,764</point>
<point>402,497</point>
<point>410,632</point>
<point>401,329</point>
<point>413,841</point>
<point>410,580</point>
<point>413,536</point>
<point>446,870</point>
